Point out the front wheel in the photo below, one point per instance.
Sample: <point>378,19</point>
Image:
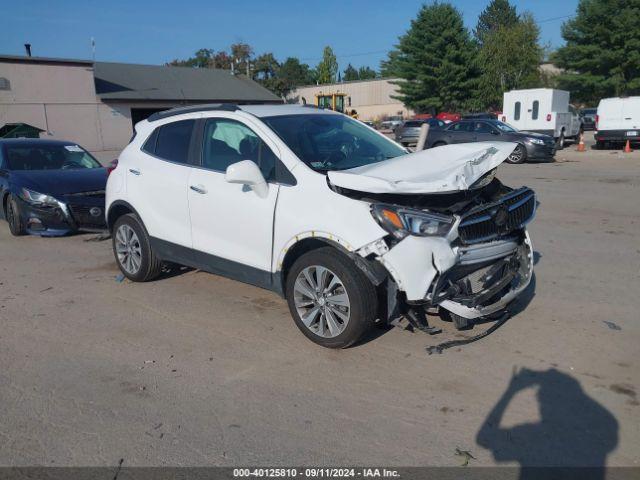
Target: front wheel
<point>14,218</point>
<point>519,155</point>
<point>331,301</point>
<point>133,251</point>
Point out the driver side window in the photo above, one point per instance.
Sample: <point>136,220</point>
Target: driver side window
<point>228,141</point>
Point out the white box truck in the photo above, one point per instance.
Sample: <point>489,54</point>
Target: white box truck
<point>542,110</point>
<point>617,120</point>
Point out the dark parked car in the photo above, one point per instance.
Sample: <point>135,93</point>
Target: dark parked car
<point>588,118</point>
<point>408,133</point>
<point>530,145</point>
<point>50,187</point>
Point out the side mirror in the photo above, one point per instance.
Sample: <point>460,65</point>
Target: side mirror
<point>248,173</point>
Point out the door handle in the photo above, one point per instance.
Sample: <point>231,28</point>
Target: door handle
<point>198,189</point>
<point>135,172</point>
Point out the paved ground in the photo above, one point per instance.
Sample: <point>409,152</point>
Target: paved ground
<point>199,370</point>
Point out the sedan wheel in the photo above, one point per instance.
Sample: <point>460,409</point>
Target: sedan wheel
<point>519,155</point>
<point>322,301</point>
<point>14,219</point>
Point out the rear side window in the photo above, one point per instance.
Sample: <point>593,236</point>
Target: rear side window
<point>516,113</point>
<point>534,110</point>
<point>462,127</point>
<point>171,141</point>
<point>413,124</point>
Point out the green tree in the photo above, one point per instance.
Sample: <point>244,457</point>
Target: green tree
<point>389,66</point>
<point>328,66</point>
<point>499,13</point>
<point>509,58</point>
<point>201,59</point>
<point>435,61</point>
<point>602,51</point>
<point>350,73</point>
<point>366,73</point>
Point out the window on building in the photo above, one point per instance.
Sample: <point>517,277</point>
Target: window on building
<point>516,113</point>
<point>5,84</point>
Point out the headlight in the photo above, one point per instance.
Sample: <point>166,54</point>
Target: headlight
<point>404,221</point>
<point>535,141</point>
<point>36,198</point>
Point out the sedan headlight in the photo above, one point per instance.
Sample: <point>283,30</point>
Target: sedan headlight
<point>535,141</point>
<point>36,198</point>
<point>405,221</point>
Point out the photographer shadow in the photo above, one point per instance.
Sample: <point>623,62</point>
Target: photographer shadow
<point>574,430</point>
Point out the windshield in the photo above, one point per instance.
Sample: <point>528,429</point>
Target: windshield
<point>505,127</point>
<point>332,142</point>
<point>49,157</point>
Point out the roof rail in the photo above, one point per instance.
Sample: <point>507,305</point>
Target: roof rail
<point>204,107</point>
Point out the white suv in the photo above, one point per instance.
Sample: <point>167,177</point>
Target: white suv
<point>347,225</point>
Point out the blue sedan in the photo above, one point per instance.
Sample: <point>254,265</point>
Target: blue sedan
<point>50,187</point>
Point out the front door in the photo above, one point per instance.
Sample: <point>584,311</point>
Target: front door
<point>230,223</point>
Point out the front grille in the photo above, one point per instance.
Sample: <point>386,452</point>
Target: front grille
<point>488,222</point>
<point>82,216</point>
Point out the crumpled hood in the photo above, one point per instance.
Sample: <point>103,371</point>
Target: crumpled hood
<point>448,168</point>
<point>61,182</point>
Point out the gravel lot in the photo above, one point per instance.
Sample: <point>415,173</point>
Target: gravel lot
<point>194,369</point>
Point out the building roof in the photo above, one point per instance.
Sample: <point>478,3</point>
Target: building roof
<point>45,60</point>
<point>125,81</point>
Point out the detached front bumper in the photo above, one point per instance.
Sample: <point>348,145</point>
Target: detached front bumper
<point>472,281</point>
<point>63,218</point>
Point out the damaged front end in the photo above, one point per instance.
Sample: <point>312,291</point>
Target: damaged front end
<point>475,269</point>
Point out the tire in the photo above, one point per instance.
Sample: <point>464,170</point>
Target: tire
<point>143,265</point>
<point>438,144</point>
<point>600,145</point>
<point>519,155</point>
<point>358,300</point>
<point>459,322</point>
<point>14,219</point>
<point>560,141</point>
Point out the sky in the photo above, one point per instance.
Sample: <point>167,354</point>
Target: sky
<point>155,32</point>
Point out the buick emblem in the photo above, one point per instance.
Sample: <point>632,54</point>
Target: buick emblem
<point>95,212</point>
<point>500,217</point>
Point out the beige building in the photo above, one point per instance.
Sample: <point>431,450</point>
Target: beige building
<point>372,99</point>
<point>97,104</point>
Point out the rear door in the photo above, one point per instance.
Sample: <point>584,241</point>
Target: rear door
<point>157,179</point>
<point>631,113</point>
<point>460,132</point>
<point>610,114</point>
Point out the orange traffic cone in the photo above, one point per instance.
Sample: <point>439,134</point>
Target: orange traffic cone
<point>581,147</point>
<point>627,147</point>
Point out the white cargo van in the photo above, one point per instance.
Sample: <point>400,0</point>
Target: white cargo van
<point>618,120</point>
<point>542,110</point>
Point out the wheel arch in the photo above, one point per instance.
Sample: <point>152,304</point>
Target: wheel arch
<point>116,210</point>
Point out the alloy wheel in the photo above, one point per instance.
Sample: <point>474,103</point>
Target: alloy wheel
<point>321,301</point>
<point>128,249</point>
<point>516,155</point>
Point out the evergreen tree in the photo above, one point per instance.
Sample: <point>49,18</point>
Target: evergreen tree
<point>350,73</point>
<point>499,13</point>
<point>366,73</point>
<point>389,67</point>
<point>435,61</point>
<point>602,51</point>
<point>328,67</point>
<point>509,59</point>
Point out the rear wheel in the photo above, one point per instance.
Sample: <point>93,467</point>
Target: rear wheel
<point>14,218</point>
<point>519,155</point>
<point>133,251</point>
<point>560,141</point>
<point>331,301</point>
